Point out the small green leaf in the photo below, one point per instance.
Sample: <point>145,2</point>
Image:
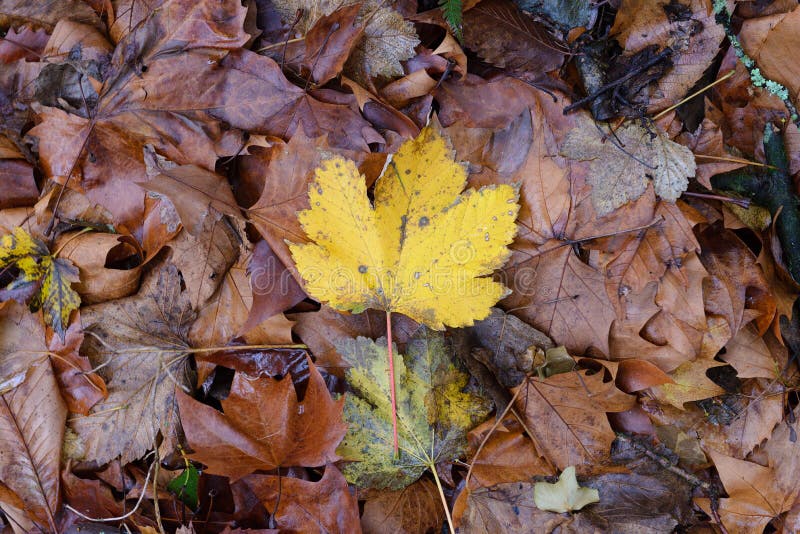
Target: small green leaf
<point>565,495</point>
<point>434,412</point>
<point>184,486</point>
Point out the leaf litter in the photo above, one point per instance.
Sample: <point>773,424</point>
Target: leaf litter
<point>233,236</point>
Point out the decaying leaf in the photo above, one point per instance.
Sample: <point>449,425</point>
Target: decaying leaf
<point>421,247</point>
<point>140,341</point>
<point>44,281</point>
<point>623,163</point>
<point>565,495</point>
<point>433,412</point>
<point>22,344</point>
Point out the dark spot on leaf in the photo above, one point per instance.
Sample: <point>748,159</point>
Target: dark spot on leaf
<point>408,171</point>
<point>423,222</point>
<point>362,269</point>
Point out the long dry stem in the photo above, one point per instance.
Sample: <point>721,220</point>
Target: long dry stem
<point>391,383</point>
<point>442,497</point>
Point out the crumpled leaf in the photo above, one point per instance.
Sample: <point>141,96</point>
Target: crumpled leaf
<point>420,248</point>
<point>623,163</point>
<point>44,282</point>
<point>32,418</point>
<point>264,426</point>
<point>141,342</point>
<point>433,412</point>
<point>387,40</point>
<point>564,495</point>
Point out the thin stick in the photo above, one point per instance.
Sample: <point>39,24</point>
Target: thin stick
<point>735,160</point>
<point>391,384</point>
<point>741,202</point>
<point>691,96</point>
<point>443,498</point>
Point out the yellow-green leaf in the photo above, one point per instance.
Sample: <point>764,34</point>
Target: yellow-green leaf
<point>434,412</point>
<point>565,495</point>
<point>56,297</point>
<point>425,249</point>
<point>44,282</point>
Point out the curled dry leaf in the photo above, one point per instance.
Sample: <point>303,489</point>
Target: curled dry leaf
<point>140,341</point>
<point>16,175</point>
<point>264,426</point>
<point>109,265</point>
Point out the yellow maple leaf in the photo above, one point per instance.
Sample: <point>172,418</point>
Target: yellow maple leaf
<point>425,248</point>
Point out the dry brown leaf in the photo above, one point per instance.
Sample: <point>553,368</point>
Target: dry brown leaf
<point>264,426</point>
<point>501,34</point>
<point>567,414</point>
<point>772,41</point>
<point>749,355</point>
<point>737,289</point>
<point>329,43</point>
<point>140,340</point>
<point>304,506</point>
<point>32,418</point>
<point>690,383</point>
<point>16,175</point>
<point>22,343</point>
<point>690,31</point>
<point>415,509</point>
<point>44,15</point>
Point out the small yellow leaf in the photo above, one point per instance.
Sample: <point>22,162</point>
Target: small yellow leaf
<point>565,495</point>
<point>424,250</point>
<point>56,296</point>
<point>18,245</point>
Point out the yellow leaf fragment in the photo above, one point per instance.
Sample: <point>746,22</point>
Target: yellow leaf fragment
<point>565,495</point>
<point>425,249</point>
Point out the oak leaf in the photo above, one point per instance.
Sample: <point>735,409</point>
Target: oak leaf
<point>421,248</point>
<point>433,412</point>
<point>264,426</point>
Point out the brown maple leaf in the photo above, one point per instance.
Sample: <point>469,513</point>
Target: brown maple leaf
<point>264,426</point>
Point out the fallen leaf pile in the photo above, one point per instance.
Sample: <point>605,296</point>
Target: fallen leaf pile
<point>478,267</point>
